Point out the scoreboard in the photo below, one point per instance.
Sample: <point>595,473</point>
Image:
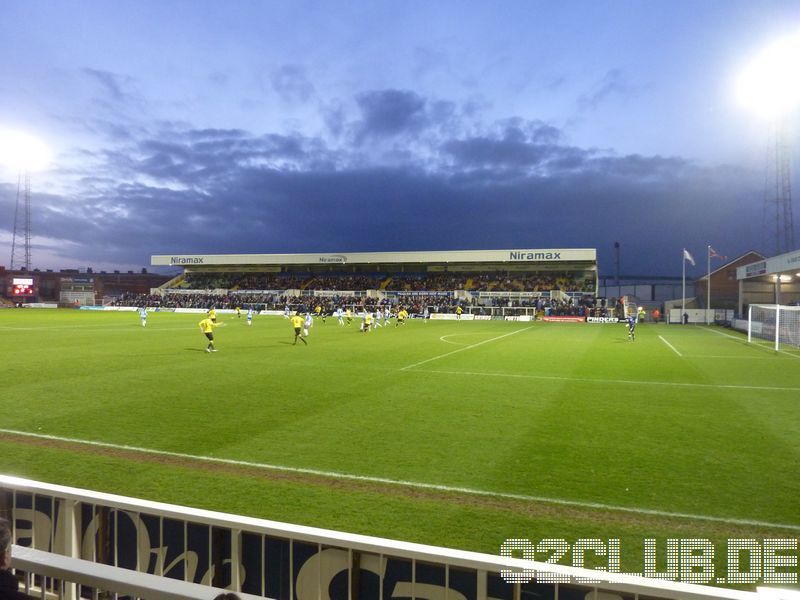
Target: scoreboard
<point>22,287</point>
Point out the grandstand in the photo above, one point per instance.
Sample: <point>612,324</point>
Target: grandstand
<point>476,280</point>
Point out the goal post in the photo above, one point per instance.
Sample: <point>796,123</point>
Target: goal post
<point>775,323</point>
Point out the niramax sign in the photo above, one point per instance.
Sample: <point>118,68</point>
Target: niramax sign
<point>455,256</point>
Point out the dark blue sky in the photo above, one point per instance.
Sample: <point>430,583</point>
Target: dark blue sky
<point>255,126</point>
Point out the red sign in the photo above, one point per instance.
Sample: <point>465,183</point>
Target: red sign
<point>564,319</point>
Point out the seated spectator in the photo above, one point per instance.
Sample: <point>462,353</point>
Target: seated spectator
<point>9,586</point>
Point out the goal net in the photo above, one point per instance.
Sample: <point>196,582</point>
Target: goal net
<point>778,324</point>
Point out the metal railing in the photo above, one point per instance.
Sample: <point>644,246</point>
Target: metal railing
<point>289,562</point>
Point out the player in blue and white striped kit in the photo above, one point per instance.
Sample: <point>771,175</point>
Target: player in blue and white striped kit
<point>250,316</point>
<point>143,316</point>
<point>631,327</point>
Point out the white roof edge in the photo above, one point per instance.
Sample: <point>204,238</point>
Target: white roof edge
<point>788,261</point>
<point>511,255</point>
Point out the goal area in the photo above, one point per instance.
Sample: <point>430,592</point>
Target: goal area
<point>780,325</point>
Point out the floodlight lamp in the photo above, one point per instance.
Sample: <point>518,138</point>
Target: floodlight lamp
<point>770,83</point>
<point>23,152</point>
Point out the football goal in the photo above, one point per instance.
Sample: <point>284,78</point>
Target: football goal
<point>776,323</point>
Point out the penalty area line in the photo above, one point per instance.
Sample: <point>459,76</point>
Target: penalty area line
<point>413,484</point>
<point>754,345</point>
<point>470,347</point>
<point>674,349</point>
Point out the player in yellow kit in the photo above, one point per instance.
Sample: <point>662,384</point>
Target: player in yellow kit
<point>207,327</point>
<point>297,322</point>
<point>401,317</point>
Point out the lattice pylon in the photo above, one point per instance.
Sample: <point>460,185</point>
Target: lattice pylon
<point>778,218</point>
<point>21,240</point>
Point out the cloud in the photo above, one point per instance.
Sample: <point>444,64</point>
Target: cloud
<point>446,181</point>
<point>513,143</point>
<point>387,113</point>
<point>613,83</point>
<point>116,92</point>
<point>291,84</point>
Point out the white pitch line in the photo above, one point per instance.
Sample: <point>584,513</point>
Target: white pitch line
<point>727,335</point>
<point>674,349</point>
<point>729,356</point>
<point>93,330</point>
<point>412,484</point>
<point>449,335</point>
<point>499,337</point>
<point>618,381</point>
<point>755,345</point>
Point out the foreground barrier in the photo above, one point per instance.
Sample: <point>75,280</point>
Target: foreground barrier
<point>48,574</point>
<point>283,561</point>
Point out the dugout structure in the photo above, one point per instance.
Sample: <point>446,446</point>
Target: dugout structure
<point>468,267</point>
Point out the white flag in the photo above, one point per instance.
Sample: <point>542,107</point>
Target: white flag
<point>687,256</point>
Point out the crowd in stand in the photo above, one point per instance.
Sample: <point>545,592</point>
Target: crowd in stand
<point>328,304</point>
<point>414,304</point>
<point>422,281</point>
<point>245,281</point>
<point>427,282</point>
<point>581,307</point>
<point>349,282</point>
<point>264,291</point>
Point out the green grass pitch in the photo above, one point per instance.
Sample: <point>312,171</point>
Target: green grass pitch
<point>457,434</point>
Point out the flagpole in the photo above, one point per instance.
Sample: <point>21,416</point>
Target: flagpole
<point>683,296</point>
<point>708,286</point>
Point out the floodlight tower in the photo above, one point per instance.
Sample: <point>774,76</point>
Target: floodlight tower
<point>778,190</point>
<point>21,249</point>
<point>24,154</point>
<point>770,85</point>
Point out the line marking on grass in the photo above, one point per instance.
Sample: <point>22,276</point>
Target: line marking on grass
<point>618,381</point>
<point>412,484</point>
<point>674,349</point>
<point>754,344</point>
<point>729,356</point>
<point>470,347</point>
<point>446,341</point>
<point>97,329</point>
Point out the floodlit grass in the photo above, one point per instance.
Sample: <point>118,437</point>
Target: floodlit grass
<point>685,420</point>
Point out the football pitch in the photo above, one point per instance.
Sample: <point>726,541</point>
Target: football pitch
<point>458,434</point>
